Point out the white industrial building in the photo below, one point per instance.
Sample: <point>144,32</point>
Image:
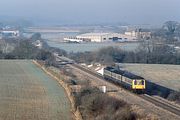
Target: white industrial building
<point>9,33</point>
<point>139,33</point>
<point>101,37</point>
<point>38,44</point>
<point>73,39</point>
<point>131,33</point>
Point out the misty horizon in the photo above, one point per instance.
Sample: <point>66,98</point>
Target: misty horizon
<point>58,12</point>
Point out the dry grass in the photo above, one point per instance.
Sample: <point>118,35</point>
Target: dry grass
<point>95,105</point>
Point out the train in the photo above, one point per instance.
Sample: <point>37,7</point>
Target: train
<point>126,79</point>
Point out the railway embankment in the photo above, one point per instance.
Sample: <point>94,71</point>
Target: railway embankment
<point>90,102</point>
<point>138,102</point>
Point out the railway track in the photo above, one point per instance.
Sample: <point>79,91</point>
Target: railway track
<point>88,71</point>
<point>162,104</point>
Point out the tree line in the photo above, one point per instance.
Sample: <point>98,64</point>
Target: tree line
<point>23,48</point>
<point>170,32</point>
<point>147,52</point>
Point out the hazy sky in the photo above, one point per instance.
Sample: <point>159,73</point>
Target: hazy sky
<point>93,11</point>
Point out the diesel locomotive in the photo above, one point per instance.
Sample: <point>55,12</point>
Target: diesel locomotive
<point>125,79</point>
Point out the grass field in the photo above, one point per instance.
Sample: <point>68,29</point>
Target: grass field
<point>166,75</point>
<point>27,93</point>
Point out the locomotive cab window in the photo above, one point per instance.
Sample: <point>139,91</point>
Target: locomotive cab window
<point>138,82</point>
<point>142,82</point>
<point>135,82</point>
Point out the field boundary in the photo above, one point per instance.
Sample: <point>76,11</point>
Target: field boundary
<point>67,89</point>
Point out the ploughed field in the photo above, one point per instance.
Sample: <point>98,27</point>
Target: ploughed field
<point>165,75</point>
<point>27,93</point>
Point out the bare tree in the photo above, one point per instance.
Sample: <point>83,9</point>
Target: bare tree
<point>171,26</point>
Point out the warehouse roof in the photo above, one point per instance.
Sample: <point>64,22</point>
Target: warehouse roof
<point>94,34</point>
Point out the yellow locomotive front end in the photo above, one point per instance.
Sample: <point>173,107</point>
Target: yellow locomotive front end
<point>138,84</point>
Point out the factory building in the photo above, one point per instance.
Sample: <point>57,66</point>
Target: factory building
<point>101,37</point>
<point>9,33</point>
<point>139,33</point>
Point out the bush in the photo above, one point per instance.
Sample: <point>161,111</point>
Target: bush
<point>84,91</point>
<point>96,105</point>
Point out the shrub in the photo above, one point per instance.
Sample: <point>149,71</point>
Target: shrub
<point>96,105</point>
